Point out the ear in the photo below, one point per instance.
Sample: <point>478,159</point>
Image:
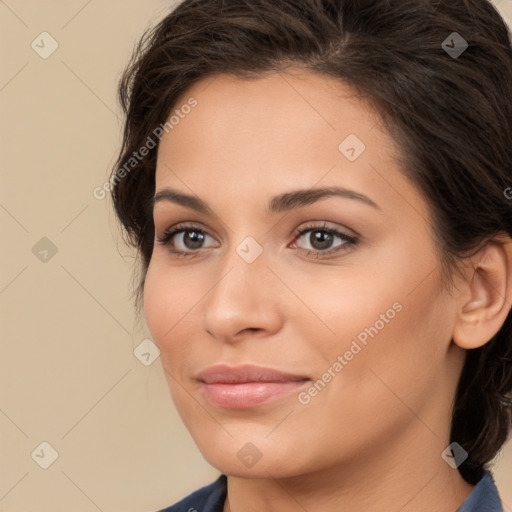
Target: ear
<point>487,297</point>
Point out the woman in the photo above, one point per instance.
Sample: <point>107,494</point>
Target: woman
<point>319,191</point>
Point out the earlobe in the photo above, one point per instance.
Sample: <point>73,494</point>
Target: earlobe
<point>487,301</point>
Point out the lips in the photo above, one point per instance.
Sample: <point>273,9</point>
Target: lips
<point>247,386</point>
<point>223,374</point>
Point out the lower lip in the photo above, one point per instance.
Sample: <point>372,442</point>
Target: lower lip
<point>247,394</point>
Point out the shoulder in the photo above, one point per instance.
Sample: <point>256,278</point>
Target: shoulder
<point>209,498</point>
<point>483,497</point>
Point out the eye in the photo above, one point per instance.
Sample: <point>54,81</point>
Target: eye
<point>321,239</point>
<point>184,240</point>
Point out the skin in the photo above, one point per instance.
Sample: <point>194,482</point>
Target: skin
<point>372,438</point>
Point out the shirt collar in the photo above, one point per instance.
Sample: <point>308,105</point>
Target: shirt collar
<point>483,497</point>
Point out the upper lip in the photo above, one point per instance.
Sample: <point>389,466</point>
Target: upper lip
<point>224,374</point>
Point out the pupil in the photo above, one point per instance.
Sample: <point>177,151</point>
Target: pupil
<point>195,238</point>
<point>325,239</point>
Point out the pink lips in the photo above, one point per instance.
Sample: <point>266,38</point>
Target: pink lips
<point>243,387</point>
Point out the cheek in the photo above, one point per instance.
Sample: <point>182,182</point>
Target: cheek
<point>404,356</point>
<point>167,299</point>
<point>165,307</point>
<point>154,303</point>
<point>171,301</point>
<point>384,321</point>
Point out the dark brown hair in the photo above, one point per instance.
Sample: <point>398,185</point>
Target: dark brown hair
<point>451,116</point>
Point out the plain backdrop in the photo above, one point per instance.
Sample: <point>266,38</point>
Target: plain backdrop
<point>73,394</point>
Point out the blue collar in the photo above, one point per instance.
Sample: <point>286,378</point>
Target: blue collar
<point>210,498</point>
<point>483,497</point>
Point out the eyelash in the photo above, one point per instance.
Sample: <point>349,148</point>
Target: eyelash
<point>182,228</point>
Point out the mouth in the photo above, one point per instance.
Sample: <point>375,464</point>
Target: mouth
<point>244,387</point>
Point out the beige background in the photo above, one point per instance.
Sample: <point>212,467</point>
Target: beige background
<point>69,376</point>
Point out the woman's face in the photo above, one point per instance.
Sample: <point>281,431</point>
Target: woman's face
<point>351,310</point>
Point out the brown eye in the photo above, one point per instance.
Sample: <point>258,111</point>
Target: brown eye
<point>191,239</point>
<point>184,240</point>
<point>321,239</point>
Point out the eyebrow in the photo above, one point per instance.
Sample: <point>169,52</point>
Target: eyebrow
<point>283,202</point>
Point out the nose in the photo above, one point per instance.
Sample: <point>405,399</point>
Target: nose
<point>240,301</point>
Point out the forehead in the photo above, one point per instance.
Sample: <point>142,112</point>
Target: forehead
<point>277,104</point>
<point>261,136</point>
<point>277,108</point>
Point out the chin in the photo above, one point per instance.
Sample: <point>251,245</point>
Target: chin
<point>260,458</point>
<point>262,469</point>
